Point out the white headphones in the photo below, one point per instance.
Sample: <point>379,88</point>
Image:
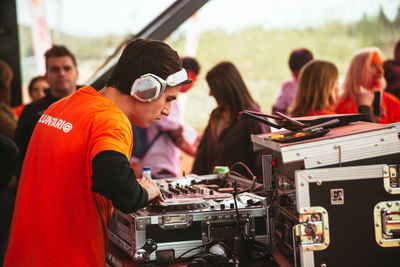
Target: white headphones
<point>149,87</point>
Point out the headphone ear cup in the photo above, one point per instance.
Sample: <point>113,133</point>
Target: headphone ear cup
<point>218,248</point>
<point>135,86</point>
<point>146,88</point>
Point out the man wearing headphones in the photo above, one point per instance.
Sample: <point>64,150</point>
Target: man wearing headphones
<point>76,167</point>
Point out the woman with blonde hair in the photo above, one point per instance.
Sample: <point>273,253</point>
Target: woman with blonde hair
<point>366,71</point>
<point>8,121</point>
<point>318,89</point>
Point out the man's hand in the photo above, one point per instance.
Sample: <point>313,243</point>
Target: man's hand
<point>152,189</point>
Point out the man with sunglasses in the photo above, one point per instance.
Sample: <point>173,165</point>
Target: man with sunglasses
<point>76,167</point>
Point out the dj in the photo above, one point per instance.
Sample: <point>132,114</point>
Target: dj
<point>76,167</point>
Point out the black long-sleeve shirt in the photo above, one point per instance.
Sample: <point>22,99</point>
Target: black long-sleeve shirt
<point>114,179</point>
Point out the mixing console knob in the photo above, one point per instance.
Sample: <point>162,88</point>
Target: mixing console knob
<point>193,190</point>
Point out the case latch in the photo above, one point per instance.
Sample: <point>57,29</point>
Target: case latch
<point>387,223</point>
<point>313,229</point>
<point>391,180</point>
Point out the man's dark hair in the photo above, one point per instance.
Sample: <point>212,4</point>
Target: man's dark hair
<point>59,51</point>
<point>298,58</point>
<point>142,56</point>
<point>190,63</point>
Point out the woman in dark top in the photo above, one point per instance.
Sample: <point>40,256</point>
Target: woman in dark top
<point>226,139</point>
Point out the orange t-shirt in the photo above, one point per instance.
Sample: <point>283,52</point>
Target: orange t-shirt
<point>58,220</point>
<point>18,110</point>
<point>390,103</point>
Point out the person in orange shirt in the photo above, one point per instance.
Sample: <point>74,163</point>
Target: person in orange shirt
<point>77,165</point>
<point>318,89</point>
<point>36,89</point>
<point>365,71</point>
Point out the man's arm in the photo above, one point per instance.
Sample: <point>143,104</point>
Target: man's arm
<point>114,179</point>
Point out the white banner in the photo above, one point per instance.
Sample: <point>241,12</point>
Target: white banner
<point>40,33</point>
<point>192,36</point>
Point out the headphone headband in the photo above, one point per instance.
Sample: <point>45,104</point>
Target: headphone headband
<point>149,87</point>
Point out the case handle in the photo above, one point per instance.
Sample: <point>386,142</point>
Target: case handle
<point>387,223</point>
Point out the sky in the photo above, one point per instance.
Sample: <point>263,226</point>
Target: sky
<point>120,17</point>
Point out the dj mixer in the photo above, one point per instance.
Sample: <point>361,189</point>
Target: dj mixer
<point>196,210</point>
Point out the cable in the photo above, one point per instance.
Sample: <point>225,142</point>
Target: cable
<point>262,248</point>
<point>244,166</point>
<point>180,257</point>
<point>238,174</point>
<point>253,177</point>
<point>234,193</point>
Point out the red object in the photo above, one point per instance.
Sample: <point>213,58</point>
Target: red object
<point>187,87</point>
<point>321,112</point>
<point>18,110</point>
<point>273,163</point>
<point>389,102</point>
<point>58,220</point>
<point>299,134</point>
